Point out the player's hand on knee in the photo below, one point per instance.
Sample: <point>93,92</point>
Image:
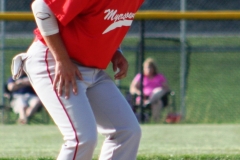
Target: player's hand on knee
<point>65,78</point>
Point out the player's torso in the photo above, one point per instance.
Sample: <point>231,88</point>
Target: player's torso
<point>99,29</point>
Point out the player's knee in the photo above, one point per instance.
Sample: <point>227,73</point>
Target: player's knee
<point>88,140</point>
<point>137,132</point>
<point>133,133</point>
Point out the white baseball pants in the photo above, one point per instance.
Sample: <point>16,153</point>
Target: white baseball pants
<point>99,106</point>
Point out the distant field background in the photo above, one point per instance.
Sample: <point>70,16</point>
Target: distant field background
<point>213,72</point>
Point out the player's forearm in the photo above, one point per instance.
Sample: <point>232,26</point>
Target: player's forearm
<point>57,47</point>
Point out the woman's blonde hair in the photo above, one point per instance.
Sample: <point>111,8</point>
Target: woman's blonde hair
<point>151,62</point>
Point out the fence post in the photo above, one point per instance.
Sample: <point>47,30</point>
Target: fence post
<point>2,58</point>
<point>141,59</point>
<point>183,61</point>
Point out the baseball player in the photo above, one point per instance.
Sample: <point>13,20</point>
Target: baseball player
<point>76,40</point>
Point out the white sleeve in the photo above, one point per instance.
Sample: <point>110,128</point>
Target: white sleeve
<point>45,19</point>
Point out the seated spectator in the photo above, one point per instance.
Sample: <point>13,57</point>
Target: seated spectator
<point>24,99</point>
<point>154,88</point>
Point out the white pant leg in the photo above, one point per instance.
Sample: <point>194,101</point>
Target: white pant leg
<point>74,117</point>
<point>115,119</point>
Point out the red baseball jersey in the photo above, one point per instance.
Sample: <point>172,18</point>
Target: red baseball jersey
<point>93,30</point>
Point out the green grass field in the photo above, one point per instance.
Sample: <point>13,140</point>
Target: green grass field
<point>159,142</point>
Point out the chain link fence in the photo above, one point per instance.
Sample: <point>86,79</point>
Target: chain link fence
<point>212,59</point>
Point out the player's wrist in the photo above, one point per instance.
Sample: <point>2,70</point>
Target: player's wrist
<point>119,50</point>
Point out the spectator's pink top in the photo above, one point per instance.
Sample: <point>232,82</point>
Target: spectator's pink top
<point>150,83</point>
